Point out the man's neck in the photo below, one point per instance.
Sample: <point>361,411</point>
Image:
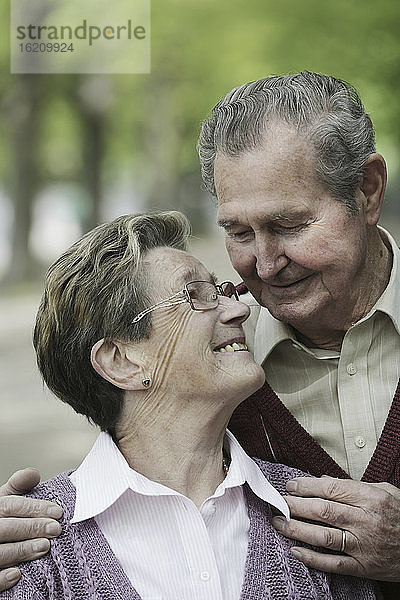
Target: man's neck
<point>333,340</point>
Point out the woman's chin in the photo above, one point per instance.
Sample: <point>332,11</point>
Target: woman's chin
<point>256,380</point>
<point>251,379</point>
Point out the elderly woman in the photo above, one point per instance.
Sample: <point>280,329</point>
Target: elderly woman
<point>136,334</point>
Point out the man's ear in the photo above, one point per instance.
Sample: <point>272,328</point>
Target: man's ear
<point>373,185</point>
<point>111,361</point>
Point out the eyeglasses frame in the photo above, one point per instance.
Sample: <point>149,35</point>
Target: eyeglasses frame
<point>167,302</point>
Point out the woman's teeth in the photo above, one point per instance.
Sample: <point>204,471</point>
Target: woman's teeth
<point>232,347</point>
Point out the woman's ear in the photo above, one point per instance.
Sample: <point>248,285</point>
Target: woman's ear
<point>110,360</point>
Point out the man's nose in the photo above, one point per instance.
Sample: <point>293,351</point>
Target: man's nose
<point>270,256</point>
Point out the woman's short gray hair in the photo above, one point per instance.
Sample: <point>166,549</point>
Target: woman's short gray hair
<point>327,110</point>
<point>93,291</point>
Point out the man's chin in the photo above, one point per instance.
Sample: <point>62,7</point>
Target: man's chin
<point>293,313</point>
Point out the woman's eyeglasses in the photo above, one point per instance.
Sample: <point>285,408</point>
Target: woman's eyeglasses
<point>201,295</point>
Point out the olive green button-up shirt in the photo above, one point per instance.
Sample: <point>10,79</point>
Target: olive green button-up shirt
<point>341,398</point>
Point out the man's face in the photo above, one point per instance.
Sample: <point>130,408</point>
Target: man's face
<point>297,249</point>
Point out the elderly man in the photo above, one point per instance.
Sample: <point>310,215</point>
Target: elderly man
<point>292,162</point>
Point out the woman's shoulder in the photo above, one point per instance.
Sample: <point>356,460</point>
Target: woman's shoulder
<point>58,489</point>
<point>278,474</point>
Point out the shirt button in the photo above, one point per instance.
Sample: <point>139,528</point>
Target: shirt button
<point>351,369</point>
<point>208,510</point>
<point>205,576</point>
<point>360,441</point>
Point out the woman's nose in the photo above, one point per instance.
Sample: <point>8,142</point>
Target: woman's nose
<point>233,310</point>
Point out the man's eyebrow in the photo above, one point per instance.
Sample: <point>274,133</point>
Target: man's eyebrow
<point>225,223</point>
<point>281,216</point>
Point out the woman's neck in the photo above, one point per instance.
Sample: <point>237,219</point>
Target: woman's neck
<point>178,448</point>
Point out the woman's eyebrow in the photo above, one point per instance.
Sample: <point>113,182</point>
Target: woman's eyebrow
<point>193,275</point>
<point>214,278</point>
<point>188,275</point>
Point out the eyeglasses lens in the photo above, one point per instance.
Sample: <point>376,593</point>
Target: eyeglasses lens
<point>203,295</point>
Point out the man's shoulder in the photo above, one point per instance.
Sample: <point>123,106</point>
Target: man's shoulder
<point>42,575</point>
<point>278,474</point>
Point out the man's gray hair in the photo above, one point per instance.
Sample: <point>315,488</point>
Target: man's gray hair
<point>327,110</point>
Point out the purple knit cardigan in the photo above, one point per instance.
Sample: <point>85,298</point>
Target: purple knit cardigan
<point>81,565</point>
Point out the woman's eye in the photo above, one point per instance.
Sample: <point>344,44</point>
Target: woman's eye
<point>194,294</point>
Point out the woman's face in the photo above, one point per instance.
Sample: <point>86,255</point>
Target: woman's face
<point>184,350</point>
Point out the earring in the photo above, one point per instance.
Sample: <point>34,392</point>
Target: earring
<point>146,383</point>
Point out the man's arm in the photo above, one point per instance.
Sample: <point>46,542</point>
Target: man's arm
<point>26,525</point>
<point>368,512</point>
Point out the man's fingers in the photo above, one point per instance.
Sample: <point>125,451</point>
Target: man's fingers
<point>20,482</point>
<point>345,491</point>
<point>13,554</point>
<point>315,535</point>
<point>19,506</point>
<point>14,530</point>
<point>344,565</point>
<point>8,578</point>
<point>341,516</point>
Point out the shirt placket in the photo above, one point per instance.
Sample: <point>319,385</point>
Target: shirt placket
<point>198,552</point>
<point>355,401</point>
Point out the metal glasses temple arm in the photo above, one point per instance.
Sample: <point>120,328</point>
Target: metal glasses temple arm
<point>161,304</point>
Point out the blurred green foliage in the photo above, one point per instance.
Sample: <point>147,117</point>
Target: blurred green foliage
<point>96,129</point>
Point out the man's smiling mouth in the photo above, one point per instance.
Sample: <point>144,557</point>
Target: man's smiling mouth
<point>290,284</point>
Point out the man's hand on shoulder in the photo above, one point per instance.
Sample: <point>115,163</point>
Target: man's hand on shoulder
<point>26,524</point>
<point>364,520</point>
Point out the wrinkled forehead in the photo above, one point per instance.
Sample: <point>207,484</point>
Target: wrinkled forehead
<point>170,269</point>
<point>283,159</point>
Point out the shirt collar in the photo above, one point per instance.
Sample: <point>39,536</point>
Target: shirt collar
<point>243,469</point>
<point>104,475</point>
<point>388,302</point>
<point>270,332</point>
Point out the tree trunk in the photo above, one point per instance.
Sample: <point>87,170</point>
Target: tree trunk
<point>23,115</point>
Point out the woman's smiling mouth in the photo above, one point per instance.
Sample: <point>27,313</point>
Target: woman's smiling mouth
<point>233,345</point>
